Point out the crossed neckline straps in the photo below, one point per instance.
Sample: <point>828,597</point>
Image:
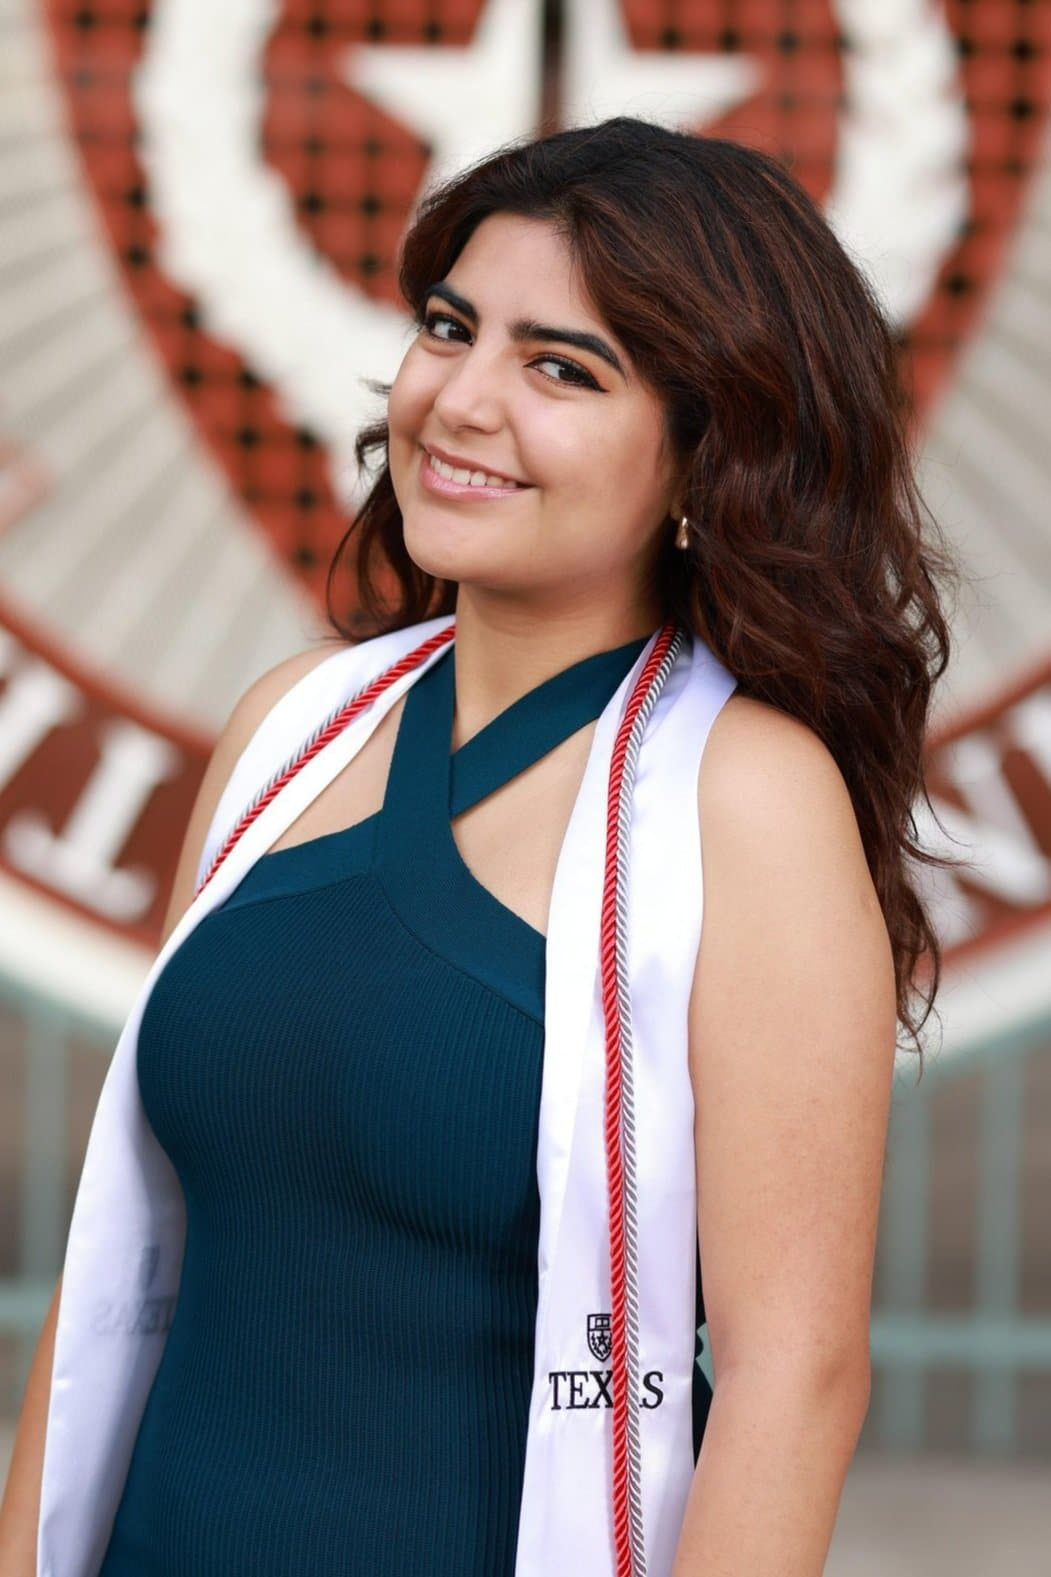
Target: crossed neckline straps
<point>407,847</point>
<point>428,783</point>
<point>552,709</point>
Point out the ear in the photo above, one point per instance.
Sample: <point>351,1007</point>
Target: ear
<point>678,466</point>
<point>679,489</point>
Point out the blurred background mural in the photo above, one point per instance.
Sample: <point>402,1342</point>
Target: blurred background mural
<point>200,210</point>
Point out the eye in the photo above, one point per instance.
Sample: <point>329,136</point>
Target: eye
<point>578,375</point>
<point>431,318</point>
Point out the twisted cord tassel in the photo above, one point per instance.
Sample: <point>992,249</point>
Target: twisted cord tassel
<point>621,1171</point>
<point>327,730</point>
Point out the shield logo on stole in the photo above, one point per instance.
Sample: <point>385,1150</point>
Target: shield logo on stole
<point>599,1339</point>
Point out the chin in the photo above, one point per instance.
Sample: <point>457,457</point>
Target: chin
<point>460,551</point>
<point>437,545</point>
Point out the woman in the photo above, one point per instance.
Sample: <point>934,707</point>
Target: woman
<point>648,397</point>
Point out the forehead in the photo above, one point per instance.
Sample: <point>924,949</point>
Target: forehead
<point>509,252</point>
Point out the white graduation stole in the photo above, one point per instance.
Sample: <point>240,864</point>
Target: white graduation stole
<point>609,1448</point>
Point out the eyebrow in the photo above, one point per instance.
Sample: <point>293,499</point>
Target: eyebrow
<point>530,329</point>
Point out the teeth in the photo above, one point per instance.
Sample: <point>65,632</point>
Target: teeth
<point>470,478</point>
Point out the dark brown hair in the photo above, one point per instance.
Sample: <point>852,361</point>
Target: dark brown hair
<point>808,573</point>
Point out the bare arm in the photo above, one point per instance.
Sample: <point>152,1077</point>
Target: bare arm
<point>792,1029</point>
<point>20,1508</point>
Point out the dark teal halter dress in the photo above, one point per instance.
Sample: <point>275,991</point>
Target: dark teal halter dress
<point>343,1061</point>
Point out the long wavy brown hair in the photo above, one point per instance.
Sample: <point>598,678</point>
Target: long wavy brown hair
<point>815,571</point>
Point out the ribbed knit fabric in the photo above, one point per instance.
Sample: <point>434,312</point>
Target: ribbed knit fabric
<point>343,1061</point>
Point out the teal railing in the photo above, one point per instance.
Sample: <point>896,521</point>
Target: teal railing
<point>990,1341</point>
<point>54,1036</point>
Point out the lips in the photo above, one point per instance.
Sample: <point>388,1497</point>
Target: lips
<point>444,487</point>
<point>460,464</point>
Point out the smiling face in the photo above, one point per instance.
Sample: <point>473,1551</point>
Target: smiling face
<point>583,435</point>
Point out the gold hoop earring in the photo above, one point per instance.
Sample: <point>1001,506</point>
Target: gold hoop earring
<point>681,539</point>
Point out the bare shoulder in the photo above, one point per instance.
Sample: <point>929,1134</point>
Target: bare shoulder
<point>773,803</point>
<point>787,885</point>
<point>261,696</point>
<point>245,717</point>
<point>264,692</point>
<point>764,773</point>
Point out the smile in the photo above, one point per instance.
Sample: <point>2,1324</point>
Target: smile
<point>451,482</point>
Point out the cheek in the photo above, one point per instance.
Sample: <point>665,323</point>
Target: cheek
<point>634,468</point>
<point>410,399</point>
<point>608,476</point>
<point>566,450</point>
<point>619,497</point>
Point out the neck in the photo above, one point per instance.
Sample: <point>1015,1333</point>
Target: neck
<point>502,652</point>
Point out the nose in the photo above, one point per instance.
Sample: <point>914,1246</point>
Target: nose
<point>470,394</point>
